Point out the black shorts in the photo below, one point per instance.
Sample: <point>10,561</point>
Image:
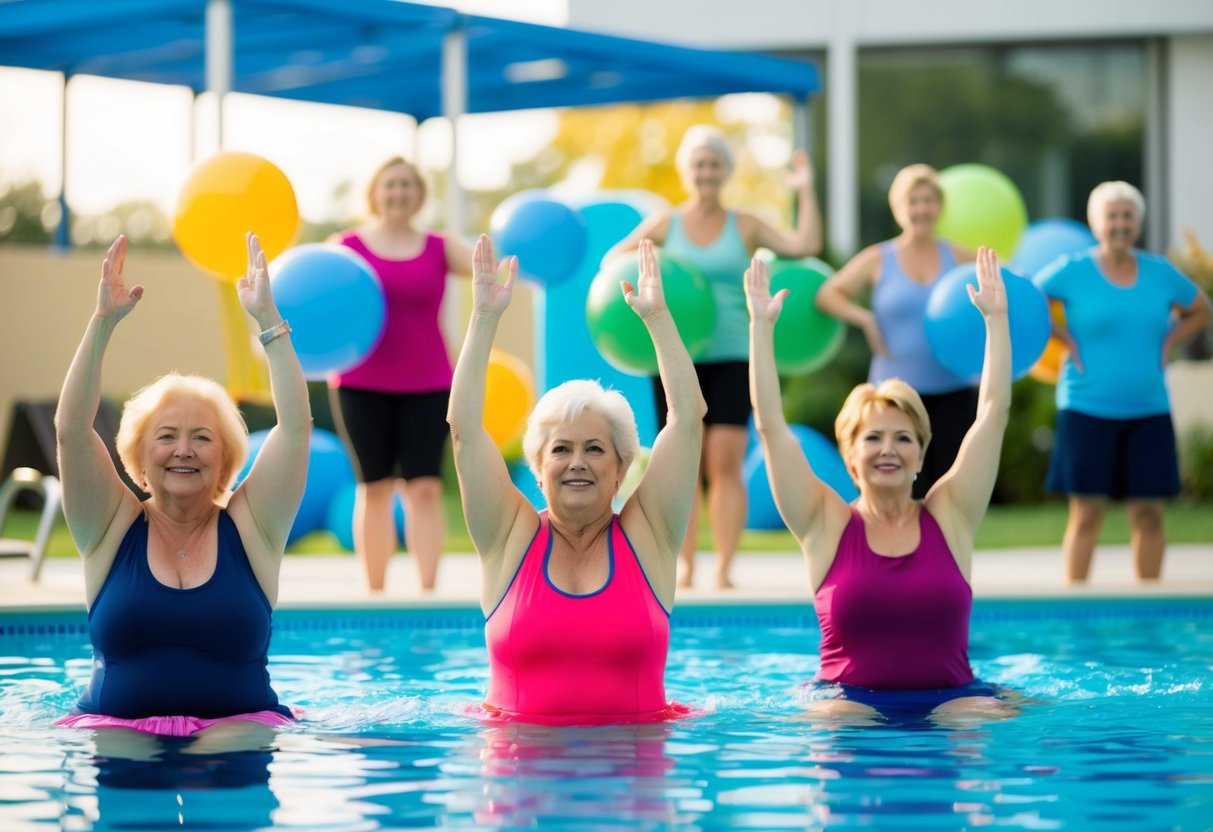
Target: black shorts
<point>726,389</point>
<point>951,415</point>
<point>392,434</point>
<point>1133,459</point>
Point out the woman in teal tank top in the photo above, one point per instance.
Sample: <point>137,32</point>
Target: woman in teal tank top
<point>720,242</point>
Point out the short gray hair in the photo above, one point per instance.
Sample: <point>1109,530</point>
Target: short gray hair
<point>1115,191</point>
<point>706,136</point>
<point>566,403</point>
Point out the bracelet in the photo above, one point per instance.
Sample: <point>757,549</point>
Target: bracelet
<point>278,329</point>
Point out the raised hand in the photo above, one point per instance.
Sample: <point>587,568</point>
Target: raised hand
<point>488,294</point>
<point>254,288</point>
<point>990,296</point>
<point>114,300</point>
<point>801,175</point>
<point>763,306</point>
<point>647,298</point>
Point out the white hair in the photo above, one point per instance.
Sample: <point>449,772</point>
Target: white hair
<point>1115,191</point>
<point>705,136</point>
<point>566,403</point>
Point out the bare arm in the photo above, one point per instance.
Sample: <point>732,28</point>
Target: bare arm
<point>458,255</point>
<point>836,297</point>
<point>665,493</point>
<point>491,502</point>
<point>812,511</point>
<point>92,490</point>
<point>805,239</point>
<point>653,228</point>
<point>959,500</point>
<point>1192,319</point>
<point>274,486</point>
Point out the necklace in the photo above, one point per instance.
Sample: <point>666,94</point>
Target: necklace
<point>180,544</point>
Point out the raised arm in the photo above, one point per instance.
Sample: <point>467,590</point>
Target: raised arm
<point>491,502</point>
<point>805,240</point>
<point>92,489</point>
<point>667,489</point>
<point>654,228</point>
<point>810,508</point>
<point>836,297</point>
<point>274,486</point>
<point>959,500</point>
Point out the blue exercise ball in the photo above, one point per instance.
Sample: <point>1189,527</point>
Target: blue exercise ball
<point>957,333</point>
<point>823,458</point>
<point>328,470</point>
<point>334,302</point>
<point>548,237</point>
<point>340,516</point>
<point>1046,240</point>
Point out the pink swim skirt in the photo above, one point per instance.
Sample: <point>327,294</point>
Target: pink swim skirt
<point>169,726</point>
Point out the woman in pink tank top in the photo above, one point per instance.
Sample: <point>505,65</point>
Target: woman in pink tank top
<point>890,574</point>
<point>577,598</point>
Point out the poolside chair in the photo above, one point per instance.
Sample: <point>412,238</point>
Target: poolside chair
<point>47,487</point>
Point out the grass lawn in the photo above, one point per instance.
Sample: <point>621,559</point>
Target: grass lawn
<point>1004,527</point>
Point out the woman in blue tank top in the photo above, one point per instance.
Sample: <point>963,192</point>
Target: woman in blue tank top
<point>180,587</point>
<point>900,274</point>
<point>720,241</point>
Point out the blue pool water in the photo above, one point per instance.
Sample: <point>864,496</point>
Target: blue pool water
<point>1116,734</point>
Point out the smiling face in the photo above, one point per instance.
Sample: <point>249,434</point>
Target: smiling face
<point>886,453</point>
<point>183,451</point>
<point>579,467</point>
<point>397,193</point>
<point>919,210</point>
<point>1119,226</point>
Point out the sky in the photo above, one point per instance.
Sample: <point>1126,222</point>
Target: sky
<point>133,141</point>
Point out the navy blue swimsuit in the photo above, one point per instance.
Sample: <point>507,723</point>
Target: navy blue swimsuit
<point>161,651</point>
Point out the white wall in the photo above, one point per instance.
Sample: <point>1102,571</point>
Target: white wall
<point>1189,143</point>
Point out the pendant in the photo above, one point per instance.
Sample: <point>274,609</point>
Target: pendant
<point>180,553</point>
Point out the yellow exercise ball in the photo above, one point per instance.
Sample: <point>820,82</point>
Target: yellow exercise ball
<point>509,395</point>
<point>226,196</point>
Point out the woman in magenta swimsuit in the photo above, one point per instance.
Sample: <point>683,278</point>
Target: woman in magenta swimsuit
<point>577,598</point>
<point>180,587</point>
<point>890,574</point>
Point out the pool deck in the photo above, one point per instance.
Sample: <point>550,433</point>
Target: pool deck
<point>761,577</point>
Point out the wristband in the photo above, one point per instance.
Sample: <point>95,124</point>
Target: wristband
<point>278,329</point>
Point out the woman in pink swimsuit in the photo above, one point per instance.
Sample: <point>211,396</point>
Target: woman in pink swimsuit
<point>577,598</point>
<point>890,574</point>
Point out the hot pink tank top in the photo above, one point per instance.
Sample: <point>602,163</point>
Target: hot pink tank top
<point>411,355</point>
<point>562,659</point>
<point>895,623</point>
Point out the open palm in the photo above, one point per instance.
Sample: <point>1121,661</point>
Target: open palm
<point>489,294</point>
<point>762,304</point>
<point>648,296</point>
<point>114,300</point>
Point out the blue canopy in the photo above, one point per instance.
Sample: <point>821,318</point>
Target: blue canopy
<point>379,54</point>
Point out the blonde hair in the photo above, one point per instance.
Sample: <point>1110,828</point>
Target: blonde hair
<point>143,406</point>
<point>702,136</point>
<point>909,178</point>
<point>566,403</point>
<point>1114,191</point>
<point>384,168</point>
<point>863,399</point>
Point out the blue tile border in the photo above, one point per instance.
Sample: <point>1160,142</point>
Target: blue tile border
<point>770,616</point>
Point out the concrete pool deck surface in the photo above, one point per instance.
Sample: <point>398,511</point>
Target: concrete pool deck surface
<point>761,577</point>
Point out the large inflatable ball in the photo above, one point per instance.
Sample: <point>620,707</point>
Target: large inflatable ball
<point>222,199</point>
<point>619,333</point>
<point>805,337</point>
<point>823,458</point>
<point>1046,240</point>
<point>334,302</point>
<point>509,395</point>
<point>957,332</point>
<point>340,516</point>
<point>981,207</point>
<point>547,236</point>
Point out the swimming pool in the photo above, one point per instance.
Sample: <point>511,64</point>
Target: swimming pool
<point>1117,735</point>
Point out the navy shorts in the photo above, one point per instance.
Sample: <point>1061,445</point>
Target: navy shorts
<point>726,389</point>
<point>904,708</point>
<point>392,434</point>
<point>1122,459</point>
